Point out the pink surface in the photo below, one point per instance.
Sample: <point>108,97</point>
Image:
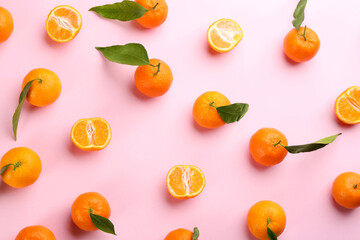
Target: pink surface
<point>152,135</point>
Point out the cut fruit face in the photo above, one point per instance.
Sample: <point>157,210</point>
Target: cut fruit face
<point>185,181</point>
<point>224,35</point>
<point>347,106</point>
<point>63,23</point>
<point>91,134</point>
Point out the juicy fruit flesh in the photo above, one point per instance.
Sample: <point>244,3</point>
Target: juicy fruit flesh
<point>63,23</point>
<point>348,105</point>
<point>91,132</point>
<point>224,34</point>
<point>185,181</point>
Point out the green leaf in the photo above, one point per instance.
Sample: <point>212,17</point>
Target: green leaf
<point>233,112</point>
<point>122,11</point>
<point>299,14</point>
<point>271,234</point>
<point>102,223</point>
<point>16,116</point>
<point>133,54</point>
<point>311,146</point>
<point>4,168</point>
<point>196,234</point>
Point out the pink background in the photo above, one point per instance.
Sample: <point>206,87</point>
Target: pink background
<point>152,135</point>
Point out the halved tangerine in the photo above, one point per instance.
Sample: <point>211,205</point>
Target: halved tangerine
<point>224,34</point>
<point>63,23</point>
<point>91,134</point>
<point>185,181</point>
<point>347,106</point>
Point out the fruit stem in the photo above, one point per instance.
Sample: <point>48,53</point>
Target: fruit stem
<point>303,33</point>
<point>154,7</point>
<point>268,221</point>
<point>212,104</point>
<point>355,187</point>
<point>91,210</point>
<point>278,143</point>
<point>158,68</point>
<point>38,79</point>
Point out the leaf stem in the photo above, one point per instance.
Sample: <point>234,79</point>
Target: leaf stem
<point>268,221</point>
<point>91,210</point>
<point>212,105</point>
<point>355,187</point>
<point>154,7</point>
<point>16,165</point>
<point>158,68</point>
<point>278,143</point>
<point>303,35</point>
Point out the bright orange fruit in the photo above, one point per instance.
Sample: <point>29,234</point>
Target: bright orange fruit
<point>297,48</point>
<point>206,115</point>
<point>91,134</point>
<point>346,190</point>
<point>224,34</point>
<point>6,24</point>
<point>179,234</point>
<point>347,106</point>
<point>63,23</point>
<point>266,214</point>
<point>185,181</point>
<point>154,17</point>
<point>262,147</point>
<point>45,89</point>
<point>25,167</point>
<point>86,203</point>
<point>153,81</point>
<point>35,233</point>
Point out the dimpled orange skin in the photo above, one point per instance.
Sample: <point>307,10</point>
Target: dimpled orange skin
<point>35,233</point>
<point>299,50</point>
<point>262,148</point>
<point>6,24</point>
<point>45,92</point>
<point>179,234</point>
<point>206,115</point>
<point>258,216</point>
<point>25,174</point>
<point>150,85</point>
<point>153,18</point>
<point>346,190</point>
<point>80,211</point>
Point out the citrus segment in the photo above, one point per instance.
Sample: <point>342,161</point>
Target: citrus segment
<point>63,23</point>
<point>224,35</point>
<point>347,106</point>
<point>185,181</point>
<point>91,134</point>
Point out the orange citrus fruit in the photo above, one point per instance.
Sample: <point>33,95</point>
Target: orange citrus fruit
<point>35,233</point>
<point>84,204</point>
<point>155,80</point>
<point>262,148</point>
<point>297,48</point>
<point>179,234</point>
<point>45,89</point>
<point>203,111</point>
<point>63,23</point>
<point>25,167</point>
<point>91,134</point>
<point>156,16</point>
<point>185,181</point>
<point>6,24</point>
<point>346,190</point>
<point>224,34</point>
<point>347,106</point>
<point>266,214</point>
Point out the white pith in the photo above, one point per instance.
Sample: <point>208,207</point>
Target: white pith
<point>64,23</point>
<point>186,179</point>
<point>90,130</point>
